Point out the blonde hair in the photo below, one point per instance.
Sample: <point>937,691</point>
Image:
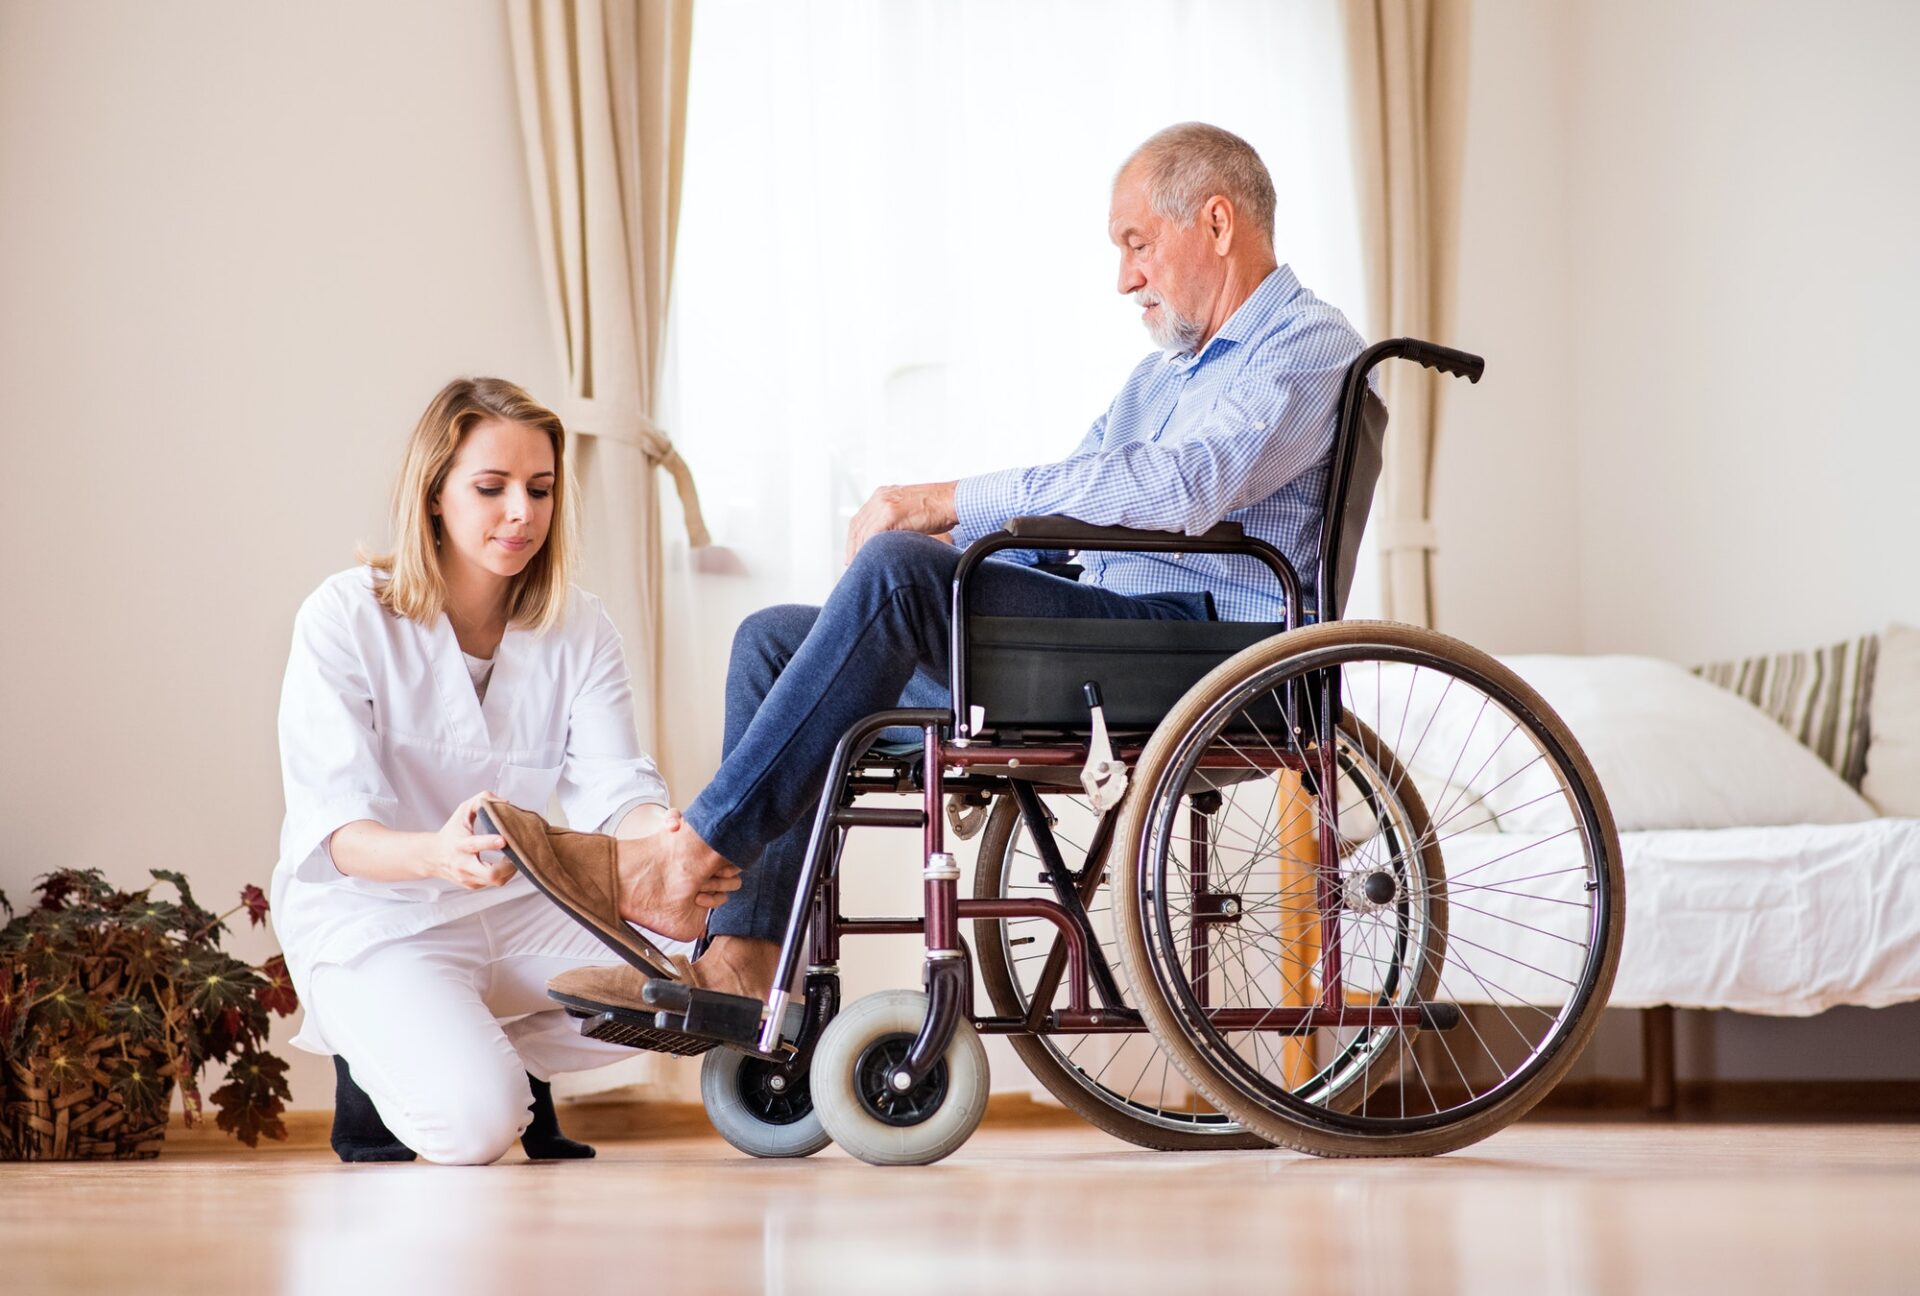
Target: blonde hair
<point>414,586</point>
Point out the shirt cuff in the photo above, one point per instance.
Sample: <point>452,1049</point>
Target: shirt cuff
<point>984,503</point>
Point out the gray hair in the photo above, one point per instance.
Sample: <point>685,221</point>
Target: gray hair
<point>1187,164</point>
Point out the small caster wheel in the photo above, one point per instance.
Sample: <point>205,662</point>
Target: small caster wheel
<point>756,1108</point>
<point>858,1105</point>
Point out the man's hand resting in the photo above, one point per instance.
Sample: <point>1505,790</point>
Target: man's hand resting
<point>927,509</point>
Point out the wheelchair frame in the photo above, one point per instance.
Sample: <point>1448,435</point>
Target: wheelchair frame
<point>953,759</point>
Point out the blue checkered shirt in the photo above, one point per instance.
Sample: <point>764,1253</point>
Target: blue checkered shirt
<point>1242,430</point>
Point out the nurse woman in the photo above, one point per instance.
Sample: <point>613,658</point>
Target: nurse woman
<point>463,663</point>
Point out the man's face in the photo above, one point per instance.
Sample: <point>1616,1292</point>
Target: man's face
<point>1172,273</point>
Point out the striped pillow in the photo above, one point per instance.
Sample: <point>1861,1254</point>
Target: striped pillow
<point>1819,696</point>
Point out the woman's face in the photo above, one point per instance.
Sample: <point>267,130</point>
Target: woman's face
<point>497,502</point>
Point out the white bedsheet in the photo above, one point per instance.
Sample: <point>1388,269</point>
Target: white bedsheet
<point>1787,921</point>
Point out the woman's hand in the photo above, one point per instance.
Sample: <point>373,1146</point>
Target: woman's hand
<point>453,853</point>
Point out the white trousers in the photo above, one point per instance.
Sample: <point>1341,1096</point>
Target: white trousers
<point>442,1028</point>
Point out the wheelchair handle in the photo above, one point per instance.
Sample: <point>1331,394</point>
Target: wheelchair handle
<point>1461,364</point>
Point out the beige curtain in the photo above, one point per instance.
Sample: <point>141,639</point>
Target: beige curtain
<point>603,105</point>
<point>1407,65</point>
<point>603,108</point>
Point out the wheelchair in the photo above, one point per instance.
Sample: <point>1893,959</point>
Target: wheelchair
<point>1345,887</point>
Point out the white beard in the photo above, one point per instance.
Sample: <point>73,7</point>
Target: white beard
<point>1170,330</point>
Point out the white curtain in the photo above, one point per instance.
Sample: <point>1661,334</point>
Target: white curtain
<point>1407,67</point>
<point>603,95</point>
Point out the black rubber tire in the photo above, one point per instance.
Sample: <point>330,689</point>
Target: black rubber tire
<point>889,1015</point>
<point>1325,644</point>
<point>735,1119</point>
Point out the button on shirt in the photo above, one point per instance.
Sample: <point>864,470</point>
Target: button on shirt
<point>1241,430</point>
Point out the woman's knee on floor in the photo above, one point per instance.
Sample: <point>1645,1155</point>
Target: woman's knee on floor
<point>474,1123</point>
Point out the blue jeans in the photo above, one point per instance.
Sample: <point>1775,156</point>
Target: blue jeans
<point>800,677</point>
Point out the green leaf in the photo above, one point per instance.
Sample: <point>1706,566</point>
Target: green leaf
<point>220,982</point>
<point>199,924</point>
<point>66,1003</point>
<point>138,1084</point>
<point>135,1017</point>
<point>149,915</point>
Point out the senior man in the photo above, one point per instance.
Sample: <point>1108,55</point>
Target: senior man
<point>1233,419</point>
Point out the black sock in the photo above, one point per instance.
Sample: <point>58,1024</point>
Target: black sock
<point>358,1132</point>
<point>543,1140</point>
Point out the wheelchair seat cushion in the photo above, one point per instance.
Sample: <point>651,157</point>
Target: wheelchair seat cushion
<point>1028,672</point>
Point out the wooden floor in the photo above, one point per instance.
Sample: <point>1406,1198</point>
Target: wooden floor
<point>1541,1208</point>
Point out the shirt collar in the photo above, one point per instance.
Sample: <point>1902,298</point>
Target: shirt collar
<point>1275,291</point>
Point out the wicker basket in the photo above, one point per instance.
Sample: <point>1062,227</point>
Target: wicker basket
<point>87,1120</point>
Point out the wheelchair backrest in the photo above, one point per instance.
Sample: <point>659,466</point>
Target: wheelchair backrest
<point>1358,447</point>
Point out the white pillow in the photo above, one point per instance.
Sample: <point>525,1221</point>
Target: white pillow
<point>1670,749</point>
<point>1892,780</point>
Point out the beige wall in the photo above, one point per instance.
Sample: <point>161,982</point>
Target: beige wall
<point>1741,263</point>
<point>241,246</point>
<point>1506,575</point>
<point>1744,267</point>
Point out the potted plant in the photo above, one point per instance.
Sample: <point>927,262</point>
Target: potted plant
<point>108,999</point>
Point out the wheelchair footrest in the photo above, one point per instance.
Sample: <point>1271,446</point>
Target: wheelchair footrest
<point>686,1020</point>
<point>641,1031</point>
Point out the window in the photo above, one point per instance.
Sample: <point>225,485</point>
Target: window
<point>893,255</point>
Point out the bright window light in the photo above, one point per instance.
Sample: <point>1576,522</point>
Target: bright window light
<point>893,255</point>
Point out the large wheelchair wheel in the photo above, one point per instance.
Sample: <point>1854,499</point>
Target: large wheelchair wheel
<point>1123,1084</point>
<point>1392,1007</point>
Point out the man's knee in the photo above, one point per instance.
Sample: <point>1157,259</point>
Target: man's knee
<point>773,633</point>
<point>898,558</point>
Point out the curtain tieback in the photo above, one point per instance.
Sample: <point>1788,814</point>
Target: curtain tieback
<point>1400,534</point>
<point>616,421</point>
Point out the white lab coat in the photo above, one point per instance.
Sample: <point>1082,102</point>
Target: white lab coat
<point>379,720</point>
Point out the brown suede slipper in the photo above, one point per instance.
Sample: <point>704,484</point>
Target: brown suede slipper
<point>593,989</point>
<point>577,872</point>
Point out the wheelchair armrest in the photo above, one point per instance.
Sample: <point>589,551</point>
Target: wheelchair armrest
<point>1072,533</point>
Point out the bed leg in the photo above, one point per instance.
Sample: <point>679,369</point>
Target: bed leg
<point>1656,1058</point>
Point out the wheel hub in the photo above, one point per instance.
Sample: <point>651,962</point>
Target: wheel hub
<point>874,1082</point>
<point>1369,890</point>
<point>773,1096</point>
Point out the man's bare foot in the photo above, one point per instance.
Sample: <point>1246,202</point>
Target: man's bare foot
<point>738,965</point>
<point>670,879</point>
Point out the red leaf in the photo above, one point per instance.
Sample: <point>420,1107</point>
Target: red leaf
<point>256,902</point>
<point>277,996</point>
